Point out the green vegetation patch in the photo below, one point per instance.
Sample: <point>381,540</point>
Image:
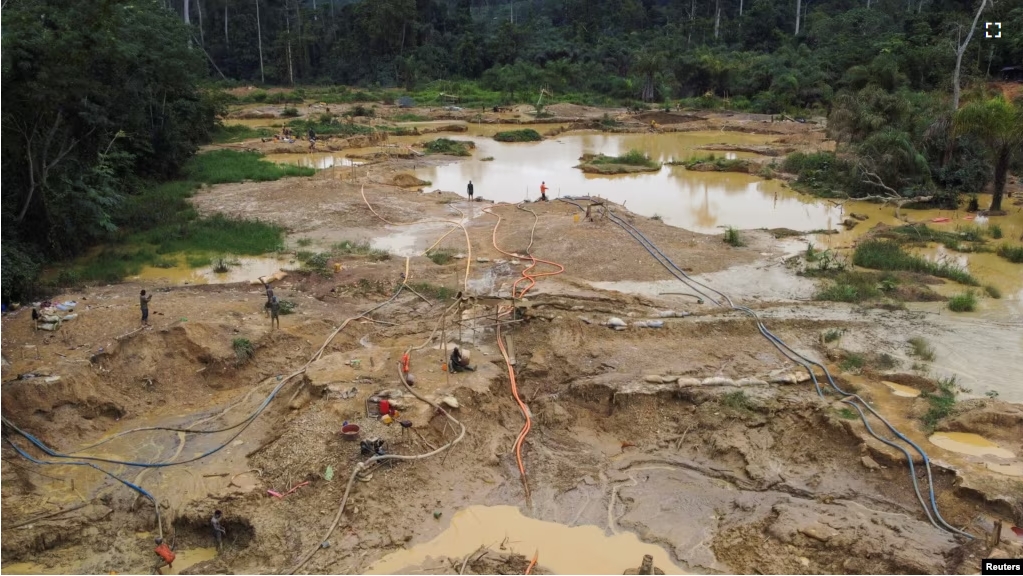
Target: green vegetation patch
<point>1011,253</point>
<point>243,348</point>
<point>733,238</point>
<point>525,135</point>
<point>448,147</point>
<point>712,163</point>
<point>889,255</point>
<point>348,247</point>
<point>942,403</point>
<point>438,292</point>
<point>921,348</point>
<point>441,257</point>
<point>737,400</point>
<point>224,166</point>
<point>631,161</point>
<point>964,302</point>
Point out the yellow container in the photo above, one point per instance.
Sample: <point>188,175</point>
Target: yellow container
<point>575,218</point>
<point>386,419</point>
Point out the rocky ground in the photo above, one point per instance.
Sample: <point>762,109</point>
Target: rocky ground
<point>696,436</point>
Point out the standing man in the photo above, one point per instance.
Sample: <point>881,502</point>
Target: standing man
<point>312,139</point>
<point>470,190</point>
<point>269,297</point>
<point>144,304</point>
<point>543,192</point>
<point>218,529</point>
<point>275,311</point>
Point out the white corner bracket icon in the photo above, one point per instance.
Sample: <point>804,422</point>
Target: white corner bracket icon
<point>992,29</point>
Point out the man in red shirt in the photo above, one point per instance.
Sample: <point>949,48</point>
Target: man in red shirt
<point>166,555</point>
<point>543,191</point>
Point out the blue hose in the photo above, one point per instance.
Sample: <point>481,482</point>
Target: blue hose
<point>131,485</point>
<point>798,358</point>
<point>243,424</point>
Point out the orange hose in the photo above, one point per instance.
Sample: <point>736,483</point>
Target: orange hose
<point>519,293</point>
<point>536,556</point>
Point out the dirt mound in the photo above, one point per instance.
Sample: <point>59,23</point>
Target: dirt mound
<point>992,419</point>
<point>406,180</point>
<point>666,118</point>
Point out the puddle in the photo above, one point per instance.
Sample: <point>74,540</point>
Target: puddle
<point>185,559</point>
<point>901,390</point>
<point>1011,469</point>
<point>409,240</point>
<point>320,161</point>
<point>972,444</point>
<point>562,549</point>
<point>28,568</point>
<point>247,269</point>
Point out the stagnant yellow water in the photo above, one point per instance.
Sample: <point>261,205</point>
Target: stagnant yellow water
<point>966,443</point>
<point>183,560</point>
<point>562,549</point>
<point>247,269</point>
<point>320,160</point>
<point>900,390</point>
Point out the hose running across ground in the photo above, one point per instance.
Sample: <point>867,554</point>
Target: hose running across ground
<point>516,293</point>
<point>803,361</point>
<point>362,465</point>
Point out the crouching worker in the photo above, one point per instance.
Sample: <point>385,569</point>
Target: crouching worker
<point>460,361</point>
<point>166,555</point>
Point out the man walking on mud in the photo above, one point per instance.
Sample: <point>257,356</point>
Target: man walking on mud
<point>543,192</point>
<point>144,304</point>
<point>470,190</point>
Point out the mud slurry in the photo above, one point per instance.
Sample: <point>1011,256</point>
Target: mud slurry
<point>694,437</point>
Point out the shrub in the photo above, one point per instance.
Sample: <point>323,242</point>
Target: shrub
<point>942,403</point>
<point>852,361</point>
<point>243,349</point>
<point>732,237</point>
<point>441,257</point>
<point>738,400</point>
<point>965,302</point>
<point>996,231</point>
<point>832,335</point>
<point>289,113</point>
<point>993,291</point>
<point>921,348</point>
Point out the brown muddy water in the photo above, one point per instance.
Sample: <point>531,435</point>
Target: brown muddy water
<point>560,548</point>
<point>698,201</point>
<point>320,161</point>
<point>243,269</point>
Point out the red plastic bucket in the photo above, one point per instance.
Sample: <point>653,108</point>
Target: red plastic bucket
<point>385,407</point>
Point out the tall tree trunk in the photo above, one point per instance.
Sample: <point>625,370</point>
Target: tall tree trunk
<point>740,8</point>
<point>198,8</point>
<point>188,22</point>
<point>799,12</point>
<point>259,36</point>
<point>1001,171</point>
<point>717,18</point>
<point>227,38</point>
<point>287,20</point>
<point>960,50</point>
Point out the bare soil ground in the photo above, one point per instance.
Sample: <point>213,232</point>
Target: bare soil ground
<point>684,435</point>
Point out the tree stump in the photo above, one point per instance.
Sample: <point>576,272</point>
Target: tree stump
<point>647,567</point>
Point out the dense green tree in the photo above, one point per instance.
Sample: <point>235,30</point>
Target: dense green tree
<point>997,123</point>
<point>98,96</point>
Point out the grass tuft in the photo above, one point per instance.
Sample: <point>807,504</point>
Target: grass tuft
<point>965,302</point>
<point>993,291</point>
<point>441,257</point>
<point>243,349</point>
<point>852,362</point>
<point>922,349</point>
<point>438,292</point>
<point>1013,254</point>
<point>447,146</point>
<point>733,237</point>
<point>738,400</point>
<point>942,403</point>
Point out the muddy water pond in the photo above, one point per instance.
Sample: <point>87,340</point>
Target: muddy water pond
<point>245,269</point>
<point>698,201</point>
<point>560,548</point>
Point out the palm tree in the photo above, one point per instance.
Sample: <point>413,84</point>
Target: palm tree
<point>999,125</point>
<point>648,65</point>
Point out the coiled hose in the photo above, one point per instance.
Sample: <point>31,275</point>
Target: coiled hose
<point>803,361</point>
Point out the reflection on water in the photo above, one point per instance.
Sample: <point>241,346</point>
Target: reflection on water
<point>562,549</point>
<point>699,201</point>
<point>319,160</point>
